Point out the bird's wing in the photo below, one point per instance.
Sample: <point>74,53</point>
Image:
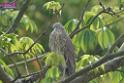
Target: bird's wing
<point>69,56</point>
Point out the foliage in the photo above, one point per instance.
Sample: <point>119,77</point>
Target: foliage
<point>70,25</point>
<point>54,6</point>
<point>54,59</point>
<point>12,43</point>
<point>0,81</point>
<point>85,60</point>
<point>90,44</point>
<point>6,68</point>
<point>52,74</point>
<point>105,38</point>
<point>8,16</point>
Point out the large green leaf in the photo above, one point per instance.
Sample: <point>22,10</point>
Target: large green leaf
<point>53,72</point>
<point>88,41</point>
<point>24,44</point>
<point>54,59</point>
<point>85,60</point>
<point>6,68</point>
<point>71,25</point>
<point>8,16</point>
<point>105,38</point>
<point>88,16</point>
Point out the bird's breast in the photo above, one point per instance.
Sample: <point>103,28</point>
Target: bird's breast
<point>58,40</point>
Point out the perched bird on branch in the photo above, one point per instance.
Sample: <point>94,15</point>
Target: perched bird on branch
<point>60,43</point>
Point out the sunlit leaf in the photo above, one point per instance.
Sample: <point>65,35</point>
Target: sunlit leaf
<point>55,59</point>
<point>9,16</point>
<point>85,60</point>
<point>88,16</point>
<point>71,25</point>
<point>105,38</point>
<point>6,68</point>
<point>52,5</point>
<point>1,81</point>
<point>88,40</point>
<point>53,72</point>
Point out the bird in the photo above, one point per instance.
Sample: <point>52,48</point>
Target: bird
<point>60,43</point>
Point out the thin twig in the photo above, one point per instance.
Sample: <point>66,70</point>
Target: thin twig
<point>28,60</point>
<point>88,25</point>
<point>36,75</point>
<point>39,66</point>
<point>15,53</point>
<point>82,15</point>
<point>26,64</point>
<point>16,67</point>
<point>14,63</point>
<point>111,23</point>
<point>109,66</point>
<point>115,21</point>
<point>115,43</point>
<point>107,10</point>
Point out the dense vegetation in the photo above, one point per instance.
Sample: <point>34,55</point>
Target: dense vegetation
<point>94,26</point>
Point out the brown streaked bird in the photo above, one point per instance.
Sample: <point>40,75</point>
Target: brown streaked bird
<point>60,43</point>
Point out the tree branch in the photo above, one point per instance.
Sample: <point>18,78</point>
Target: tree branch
<point>108,67</point>
<point>118,40</point>
<point>94,65</point>
<point>107,10</point>
<point>19,16</point>
<point>88,25</point>
<point>4,76</point>
<point>28,60</point>
<point>15,53</point>
<point>82,15</point>
<point>32,77</point>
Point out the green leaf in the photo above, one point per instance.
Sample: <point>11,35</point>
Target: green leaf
<point>6,40</point>
<point>52,5</point>
<point>96,8</point>
<point>88,16</point>
<point>9,16</point>
<point>76,41</point>
<point>71,25</point>
<point>47,80</point>
<point>53,72</point>
<point>54,59</point>
<point>88,40</point>
<point>28,24</point>
<point>105,38</point>
<point>85,60</point>
<point>97,24</point>
<point>1,81</point>
<point>26,42</point>
<point>1,1</point>
<point>6,68</point>
<point>37,48</point>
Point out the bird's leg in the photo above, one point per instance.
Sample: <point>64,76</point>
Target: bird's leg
<point>64,71</point>
<point>63,76</point>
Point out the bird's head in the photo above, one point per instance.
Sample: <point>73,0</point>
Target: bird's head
<point>57,26</point>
